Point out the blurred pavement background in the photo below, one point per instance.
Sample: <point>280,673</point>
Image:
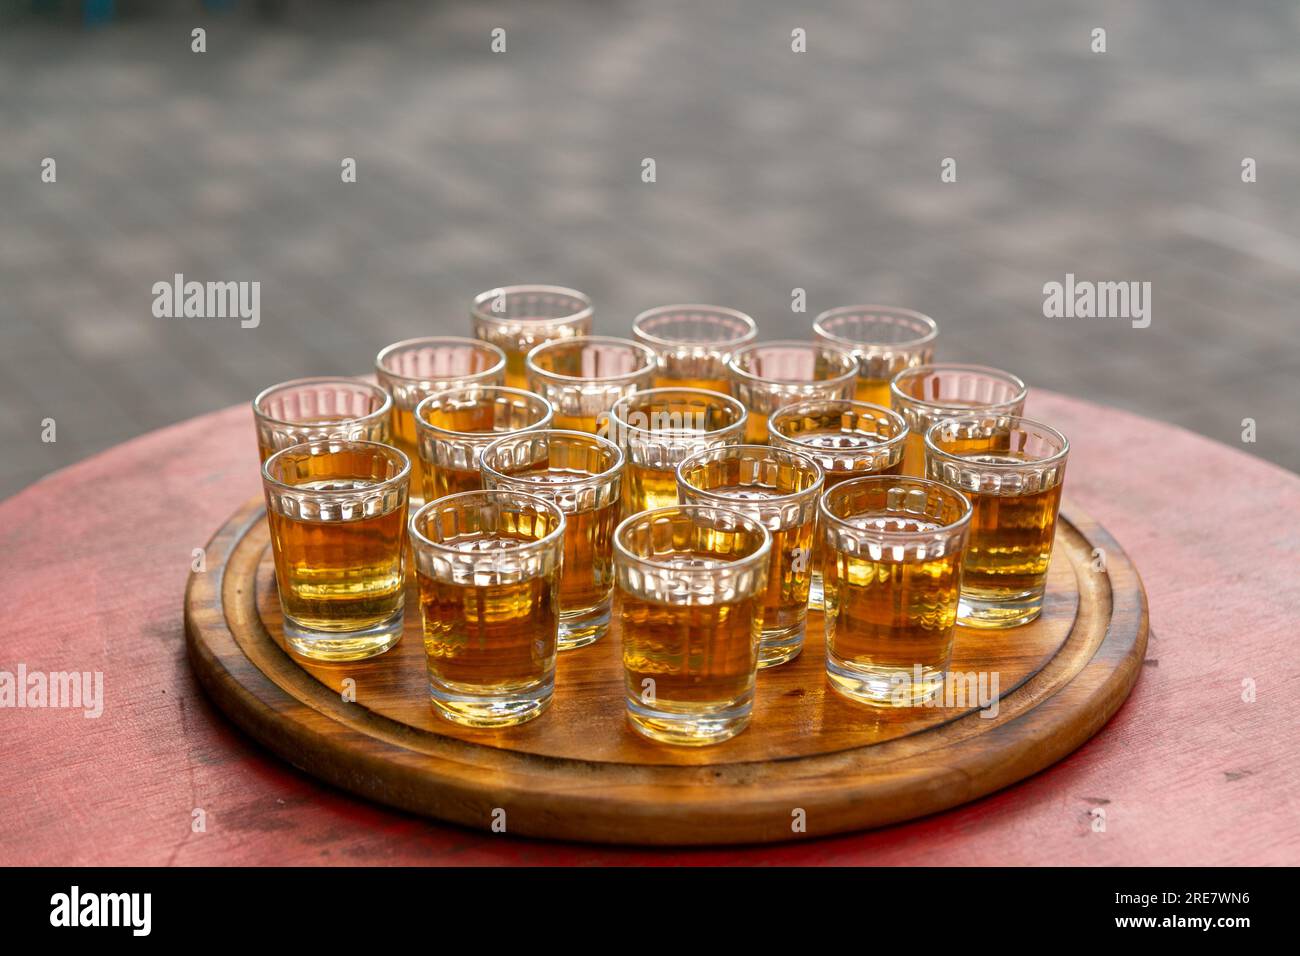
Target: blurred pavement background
<point>775,170</point>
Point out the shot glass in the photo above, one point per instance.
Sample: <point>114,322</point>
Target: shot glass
<point>778,489</point>
<point>1012,469</point>
<point>893,563</point>
<point>413,370</point>
<point>312,409</point>
<point>456,425</point>
<point>660,427</point>
<point>583,378</point>
<point>694,343</point>
<point>768,375</point>
<point>690,581</point>
<point>849,439</point>
<point>928,393</point>
<point>337,514</point>
<point>582,475</point>
<point>884,339</point>
<point>518,318</point>
<point>488,564</point>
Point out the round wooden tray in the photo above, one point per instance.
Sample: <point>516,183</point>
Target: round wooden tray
<point>811,763</point>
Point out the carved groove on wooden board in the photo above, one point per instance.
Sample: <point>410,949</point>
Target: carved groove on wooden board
<point>579,773</point>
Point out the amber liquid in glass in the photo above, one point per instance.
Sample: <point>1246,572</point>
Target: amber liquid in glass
<point>266,451</point>
<point>721,385</point>
<point>699,658</point>
<point>784,602</point>
<point>406,440</point>
<point>440,481</point>
<point>587,578</point>
<point>495,638</point>
<point>914,444</point>
<point>1010,540</point>
<point>577,423</point>
<point>833,438</point>
<point>516,370</point>
<point>339,575</point>
<point>887,618</point>
<point>647,488</point>
<point>874,390</point>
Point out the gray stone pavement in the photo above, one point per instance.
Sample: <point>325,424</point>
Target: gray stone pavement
<point>775,170</point>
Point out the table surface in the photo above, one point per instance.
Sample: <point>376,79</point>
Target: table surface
<point>1194,769</point>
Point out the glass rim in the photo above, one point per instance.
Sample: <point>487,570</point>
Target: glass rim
<point>929,336</point>
<point>387,450</point>
<point>462,340</point>
<point>726,400</point>
<point>548,540</point>
<point>569,342</point>
<point>848,376</point>
<point>815,489</point>
<point>600,440</point>
<point>1022,390</point>
<point>421,422</point>
<point>750,333</point>
<point>758,558</point>
<point>793,408</point>
<point>486,315</point>
<point>999,467</point>
<point>833,520</point>
<point>385,405</point>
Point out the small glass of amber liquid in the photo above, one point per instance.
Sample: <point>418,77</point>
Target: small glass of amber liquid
<point>1012,469</point>
<point>582,378</point>
<point>767,375</point>
<point>456,425</point>
<point>311,409</point>
<point>849,439</point>
<point>929,393</point>
<point>694,343</point>
<point>487,564</point>
<point>582,475</point>
<point>337,514</point>
<point>414,369</point>
<point>892,569</point>
<point>690,580</point>
<point>659,428</point>
<point>518,318</point>
<point>884,339</point>
<point>779,490</point>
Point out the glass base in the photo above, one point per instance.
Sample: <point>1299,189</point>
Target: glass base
<point>584,627</point>
<point>340,646</point>
<point>884,686</point>
<point>690,729</point>
<point>778,647</point>
<point>491,710</point>
<point>999,609</point>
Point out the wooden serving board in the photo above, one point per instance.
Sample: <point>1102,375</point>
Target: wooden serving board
<point>579,772</point>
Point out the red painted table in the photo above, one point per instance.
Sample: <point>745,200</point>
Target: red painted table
<point>1194,769</point>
